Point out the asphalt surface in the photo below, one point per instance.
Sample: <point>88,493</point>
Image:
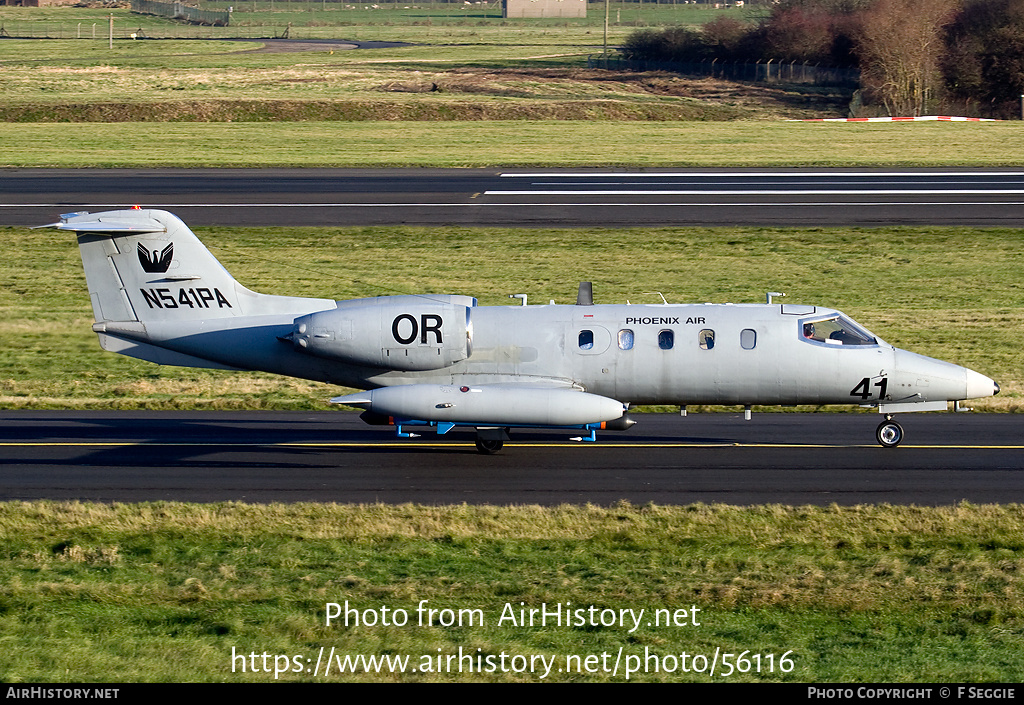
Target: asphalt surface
<point>333,457</point>
<point>789,458</point>
<point>288,46</point>
<point>590,198</point>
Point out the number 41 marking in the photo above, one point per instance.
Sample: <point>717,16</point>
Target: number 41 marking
<point>863,389</point>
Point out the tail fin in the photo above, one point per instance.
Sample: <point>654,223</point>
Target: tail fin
<point>146,265</point>
<point>151,280</point>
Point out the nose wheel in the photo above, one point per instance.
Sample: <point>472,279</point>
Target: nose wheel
<point>889,433</point>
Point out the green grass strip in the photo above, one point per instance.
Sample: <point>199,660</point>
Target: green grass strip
<point>168,592</point>
<point>510,143</point>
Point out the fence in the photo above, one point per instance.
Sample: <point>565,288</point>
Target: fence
<point>180,11</point>
<point>754,72</point>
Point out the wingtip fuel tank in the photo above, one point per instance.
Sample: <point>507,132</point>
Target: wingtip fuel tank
<point>488,405</point>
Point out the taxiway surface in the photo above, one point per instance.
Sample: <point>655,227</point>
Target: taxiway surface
<point>588,198</point>
<point>333,457</point>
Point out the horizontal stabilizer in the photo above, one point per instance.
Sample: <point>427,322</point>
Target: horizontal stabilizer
<point>109,227</point>
<point>110,222</point>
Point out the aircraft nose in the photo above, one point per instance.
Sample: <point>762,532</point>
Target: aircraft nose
<point>936,380</point>
<point>978,385</point>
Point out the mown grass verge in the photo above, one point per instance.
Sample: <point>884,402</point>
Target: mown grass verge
<point>361,111</point>
<point>165,592</point>
<point>510,143</point>
<point>951,293</point>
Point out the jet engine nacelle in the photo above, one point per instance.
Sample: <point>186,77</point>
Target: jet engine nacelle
<point>392,332</point>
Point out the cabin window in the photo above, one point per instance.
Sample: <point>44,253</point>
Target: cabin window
<point>706,338</point>
<point>625,339</point>
<point>666,339</point>
<point>586,339</point>
<point>835,330</point>
<point>748,338</point>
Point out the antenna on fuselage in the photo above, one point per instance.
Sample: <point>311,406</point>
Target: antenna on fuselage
<point>585,296</point>
<point>770,294</point>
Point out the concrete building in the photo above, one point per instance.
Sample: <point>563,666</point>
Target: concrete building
<point>544,8</point>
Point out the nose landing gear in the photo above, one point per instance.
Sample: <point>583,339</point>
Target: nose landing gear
<point>889,433</point>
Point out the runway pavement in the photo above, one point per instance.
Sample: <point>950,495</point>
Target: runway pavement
<point>789,458</point>
<point>589,198</point>
<point>333,457</point>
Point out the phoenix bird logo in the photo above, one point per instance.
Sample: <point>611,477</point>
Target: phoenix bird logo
<point>156,262</point>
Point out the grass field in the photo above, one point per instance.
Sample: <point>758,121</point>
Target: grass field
<point>393,21</point>
<point>461,104</point>
<point>448,69</point>
<point>202,81</point>
<point>167,592</point>
<point>486,143</point>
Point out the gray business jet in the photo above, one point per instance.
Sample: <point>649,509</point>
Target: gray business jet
<point>441,361</point>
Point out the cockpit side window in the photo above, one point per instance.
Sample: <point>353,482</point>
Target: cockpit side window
<point>835,330</point>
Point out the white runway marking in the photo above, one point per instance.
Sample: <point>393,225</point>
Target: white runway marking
<point>597,184</point>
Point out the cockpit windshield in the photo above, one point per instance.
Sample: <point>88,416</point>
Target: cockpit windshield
<point>835,330</point>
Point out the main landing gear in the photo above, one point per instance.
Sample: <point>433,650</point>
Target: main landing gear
<point>490,440</point>
<point>489,446</point>
<point>889,433</point>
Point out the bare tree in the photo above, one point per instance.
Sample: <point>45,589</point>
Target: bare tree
<point>900,44</point>
<point>984,64</point>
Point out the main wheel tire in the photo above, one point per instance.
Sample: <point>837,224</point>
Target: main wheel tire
<point>489,446</point>
<point>889,434</point>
